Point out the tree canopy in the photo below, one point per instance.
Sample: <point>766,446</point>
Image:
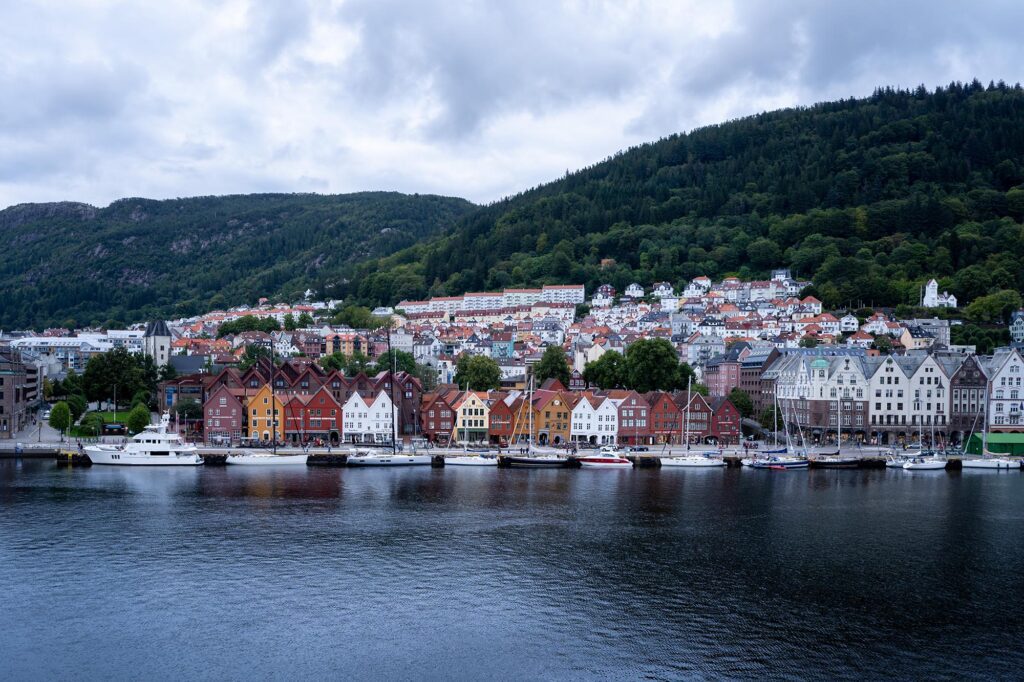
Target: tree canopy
<point>607,372</point>
<point>60,417</point>
<point>118,372</point>
<point>477,373</point>
<point>138,418</point>
<point>869,198</point>
<point>140,259</point>
<point>553,365</point>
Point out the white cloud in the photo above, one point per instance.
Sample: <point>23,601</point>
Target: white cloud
<point>478,99</point>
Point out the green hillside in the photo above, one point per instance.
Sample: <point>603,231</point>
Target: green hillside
<point>137,258</point>
<point>868,197</point>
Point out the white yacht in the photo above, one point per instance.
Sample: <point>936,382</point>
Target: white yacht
<point>382,458</point>
<point>265,459</point>
<point>990,463</point>
<point>924,463</point>
<point>470,459</point>
<point>153,447</point>
<point>700,459</point>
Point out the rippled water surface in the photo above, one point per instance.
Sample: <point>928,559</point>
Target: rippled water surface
<point>423,573</point>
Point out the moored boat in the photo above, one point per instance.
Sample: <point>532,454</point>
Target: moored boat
<point>780,463</point>
<point>470,460</point>
<point>607,458</point>
<point>154,446</point>
<point>538,461</point>
<point>924,464</point>
<point>696,460</point>
<point>990,463</point>
<point>381,458</point>
<point>835,461</point>
<point>894,461</point>
<point>265,459</point>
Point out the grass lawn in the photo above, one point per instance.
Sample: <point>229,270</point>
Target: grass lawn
<point>108,416</point>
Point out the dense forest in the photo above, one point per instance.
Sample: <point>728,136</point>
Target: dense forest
<point>867,197</point>
<point>137,259</point>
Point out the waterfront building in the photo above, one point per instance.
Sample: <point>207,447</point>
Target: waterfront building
<point>17,393</point>
<point>1006,398</point>
<point>552,419</point>
<point>311,417</point>
<point>265,409</point>
<point>367,419</point>
<point>594,420</point>
<point>471,417</point>
<point>436,417</point>
<point>967,386</point>
<point>634,420</point>
<point>666,418</point>
<point>726,427</point>
<point>224,416</point>
<point>500,417</point>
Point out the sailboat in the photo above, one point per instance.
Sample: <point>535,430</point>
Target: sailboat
<point>779,461</point>
<point>701,459</point>
<point>988,460</point>
<point>380,457</point>
<point>532,459</point>
<point>467,459</point>
<point>929,461</point>
<point>835,460</point>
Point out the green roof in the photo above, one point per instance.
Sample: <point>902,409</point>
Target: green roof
<point>1000,443</point>
<point>1006,438</point>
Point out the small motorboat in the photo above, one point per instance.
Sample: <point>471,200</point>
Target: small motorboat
<point>607,458</point>
<point>265,459</point>
<point>924,464</point>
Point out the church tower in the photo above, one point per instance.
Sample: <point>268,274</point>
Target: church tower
<point>156,343</point>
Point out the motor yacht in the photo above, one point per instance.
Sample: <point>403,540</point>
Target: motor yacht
<point>154,446</point>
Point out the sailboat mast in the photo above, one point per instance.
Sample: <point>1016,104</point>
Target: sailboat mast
<point>839,421</point>
<point>984,423</point>
<point>529,440</point>
<point>391,382</point>
<point>273,398</point>
<point>775,412</point>
<point>689,383</point>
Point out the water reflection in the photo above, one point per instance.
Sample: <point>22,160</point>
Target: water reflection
<point>483,573</point>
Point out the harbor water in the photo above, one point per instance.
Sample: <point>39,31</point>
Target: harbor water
<point>480,573</point>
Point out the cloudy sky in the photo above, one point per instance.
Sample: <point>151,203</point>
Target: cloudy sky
<point>476,99</point>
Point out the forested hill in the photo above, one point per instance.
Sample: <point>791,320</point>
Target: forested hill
<point>137,259</point>
<point>868,197</point>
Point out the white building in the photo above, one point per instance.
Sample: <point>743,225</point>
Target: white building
<point>1017,327</point>
<point>634,290</point>
<point>661,290</point>
<point>367,420</point>
<point>933,299</point>
<point>1006,400</point>
<point>595,420</point>
<point>849,323</point>
<point>929,396</point>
